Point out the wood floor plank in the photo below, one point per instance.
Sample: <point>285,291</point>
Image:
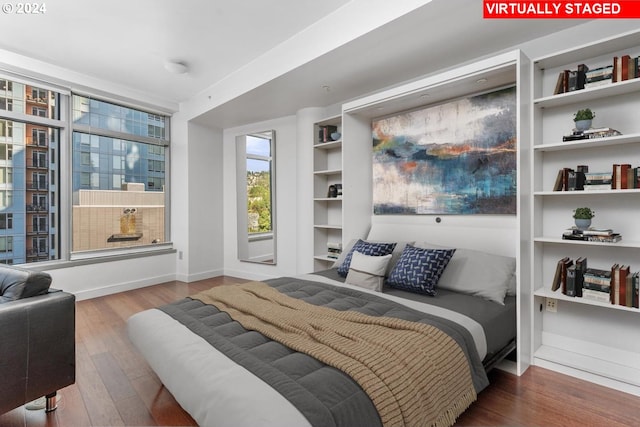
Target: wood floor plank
<point>115,386</point>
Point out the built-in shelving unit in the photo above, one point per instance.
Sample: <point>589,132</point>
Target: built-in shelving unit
<point>327,210</point>
<point>571,339</point>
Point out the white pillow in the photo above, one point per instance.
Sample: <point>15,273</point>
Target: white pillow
<point>478,273</point>
<point>367,271</point>
<point>397,251</point>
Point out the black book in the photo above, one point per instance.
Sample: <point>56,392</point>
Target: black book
<point>581,267</point>
<point>570,290</point>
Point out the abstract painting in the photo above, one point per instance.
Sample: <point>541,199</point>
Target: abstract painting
<point>458,157</point>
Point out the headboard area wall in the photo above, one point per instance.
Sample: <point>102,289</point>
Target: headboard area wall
<point>495,234</point>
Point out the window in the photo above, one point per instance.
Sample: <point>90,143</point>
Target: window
<point>27,141</point>
<point>119,157</point>
<point>6,243</point>
<point>107,163</point>
<point>6,221</point>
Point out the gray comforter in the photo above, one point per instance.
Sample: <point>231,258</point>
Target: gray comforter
<point>325,395</point>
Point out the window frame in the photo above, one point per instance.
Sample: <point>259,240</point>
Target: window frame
<point>62,214</point>
<point>94,131</point>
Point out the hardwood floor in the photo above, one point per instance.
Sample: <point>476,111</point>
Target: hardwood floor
<point>115,386</point>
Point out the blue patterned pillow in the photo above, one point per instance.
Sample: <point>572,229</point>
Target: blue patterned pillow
<point>418,270</point>
<point>366,248</point>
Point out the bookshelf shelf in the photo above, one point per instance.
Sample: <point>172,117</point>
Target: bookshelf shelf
<point>332,145</point>
<point>328,226</point>
<point>589,143</point>
<point>624,192</point>
<point>548,293</point>
<point>328,172</point>
<point>572,340</point>
<point>585,95</point>
<point>558,240</point>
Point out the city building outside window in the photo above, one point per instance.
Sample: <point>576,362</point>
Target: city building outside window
<point>119,163</point>
<point>29,132</point>
<point>114,194</point>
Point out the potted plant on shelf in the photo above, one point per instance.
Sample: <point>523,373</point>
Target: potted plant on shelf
<point>583,217</point>
<point>583,119</point>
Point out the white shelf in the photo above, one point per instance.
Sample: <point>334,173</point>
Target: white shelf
<point>327,199</point>
<point>327,211</point>
<point>328,172</point>
<point>324,258</point>
<point>588,192</point>
<point>548,293</point>
<point>328,226</point>
<point>585,335</point>
<point>331,145</point>
<point>577,96</point>
<point>558,240</point>
<point>590,143</point>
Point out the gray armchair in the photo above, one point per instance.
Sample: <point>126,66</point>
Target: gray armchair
<point>37,338</point>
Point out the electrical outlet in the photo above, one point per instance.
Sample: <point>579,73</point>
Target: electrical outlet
<point>552,305</point>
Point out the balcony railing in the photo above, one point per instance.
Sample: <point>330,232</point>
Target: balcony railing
<point>37,185</point>
<point>36,231</point>
<point>37,164</point>
<point>37,208</point>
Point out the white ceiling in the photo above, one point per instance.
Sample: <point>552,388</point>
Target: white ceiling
<point>127,42</point>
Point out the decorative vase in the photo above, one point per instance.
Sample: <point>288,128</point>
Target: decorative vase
<point>583,125</point>
<point>582,223</point>
<point>335,136</point>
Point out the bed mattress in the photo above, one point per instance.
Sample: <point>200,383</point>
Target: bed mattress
<point>216,387</point>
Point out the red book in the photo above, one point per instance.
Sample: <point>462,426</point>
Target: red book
<point>622,284</point>
<point>624,176</point>
<point>624,65</point>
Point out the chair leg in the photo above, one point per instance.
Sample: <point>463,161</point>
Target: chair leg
<point>52,402</point>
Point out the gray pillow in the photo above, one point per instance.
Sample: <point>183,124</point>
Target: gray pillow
<point>478,273</point>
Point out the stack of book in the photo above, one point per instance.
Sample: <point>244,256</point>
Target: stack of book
<point>592,235</point>
<point>592,133</point>
<point>597,181</point>
<point>334,249</point>
<point>599,76</point>
<point>596,285</point>
<point>617,285</point>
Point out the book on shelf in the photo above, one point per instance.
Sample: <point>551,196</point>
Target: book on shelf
<point>581,267</point>
<point>324,133</point>
<point>334,249</point>
<point>599,76</point>
<point>619,174</point>
<point>575,233</point>
<point>595,295</point>
<point>560,277</point>
<point>557,277</point>
<point>636,290</point>
<point>597,181</point>
<point>570,286</point>
<point>603,132</point>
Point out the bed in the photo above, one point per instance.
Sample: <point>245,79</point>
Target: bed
<point>225,374</point>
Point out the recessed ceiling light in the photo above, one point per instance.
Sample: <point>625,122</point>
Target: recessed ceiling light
<point>176,67</point>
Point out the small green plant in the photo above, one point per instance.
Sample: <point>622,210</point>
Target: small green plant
<point>585,114</point>
<point>583,213</point>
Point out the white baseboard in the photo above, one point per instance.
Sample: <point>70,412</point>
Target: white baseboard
<point>122,287</point>
<point>188,278</point>
<point>242,274</point>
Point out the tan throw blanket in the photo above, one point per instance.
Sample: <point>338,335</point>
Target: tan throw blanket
<point>415,374</point>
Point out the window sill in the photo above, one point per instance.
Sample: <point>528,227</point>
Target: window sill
<point>97,257</point>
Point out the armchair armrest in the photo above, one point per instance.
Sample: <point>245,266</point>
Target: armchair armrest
<point>37,351</point>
